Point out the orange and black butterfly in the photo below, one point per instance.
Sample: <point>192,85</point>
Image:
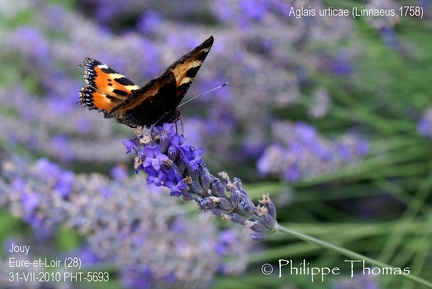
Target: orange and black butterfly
<point>155,103</point>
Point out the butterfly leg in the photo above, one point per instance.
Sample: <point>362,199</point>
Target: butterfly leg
<point>181,124</point>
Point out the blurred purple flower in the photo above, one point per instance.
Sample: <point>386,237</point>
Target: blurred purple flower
<point>341,64</point>
<point>30,201</point>
<point>226,239</point>
<point>119,173</point>
<point>425,4</point>
<point>83,125</point>
<point>300,153</point>
<point>148,22</point>
<point>63,180</point>
<point>60,146</point>
<point>255,9</point>
<point>424,125</point>
<point>32,40</point>
<point>389,37</point>
<point>64,183</point>
<point>122,222</point>
<point>136,277</point>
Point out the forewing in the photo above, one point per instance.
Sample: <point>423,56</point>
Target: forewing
<point>186,68</point>
<point>106,87</point>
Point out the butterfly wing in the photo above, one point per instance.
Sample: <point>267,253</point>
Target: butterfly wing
<point>106,87</point>
<point>157,101</point>
<point>186,68</point>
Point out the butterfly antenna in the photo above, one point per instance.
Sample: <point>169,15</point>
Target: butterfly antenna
<point>205,92</point>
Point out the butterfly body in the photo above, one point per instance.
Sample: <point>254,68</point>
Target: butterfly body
<point>155,103</point>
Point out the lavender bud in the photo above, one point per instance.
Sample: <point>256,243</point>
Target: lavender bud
<point>204,177</point>
<point>217,188</point>
<point>238,183</point>
<point>172,153</point>
<point>189,196</point>
<point>258,236</point>
<point>217,211</point>
<point>205,204</point>
<point>181,160</point>
<point>271,209</point>
<point>258,226</point>
<point>235,198</point>
<point>196,188</point>
<point>224,204</point>
<point>246,204</point>
<point>173,166</point>
<point>166,165</point>
<point>268,204</point>
<point>193,172</point>
<point>238,219</point>
<point>268,221</point>
<point>164,142</point>
<point>154,132</point>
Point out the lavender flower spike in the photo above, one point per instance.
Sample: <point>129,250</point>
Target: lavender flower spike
<point>170,161</point>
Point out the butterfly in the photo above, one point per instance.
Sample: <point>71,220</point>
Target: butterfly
<point>153,104</point>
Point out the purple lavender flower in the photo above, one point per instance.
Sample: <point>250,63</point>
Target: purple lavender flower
<point>129,144</point>
<point>173,181</point>
<point>153,157</point>
<point>170,161</point>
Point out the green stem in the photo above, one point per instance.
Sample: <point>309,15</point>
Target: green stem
<point>347,253</point>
